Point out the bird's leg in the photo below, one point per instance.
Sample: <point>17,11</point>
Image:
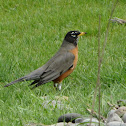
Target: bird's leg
<point>59,86</point>
<point>55,85</point>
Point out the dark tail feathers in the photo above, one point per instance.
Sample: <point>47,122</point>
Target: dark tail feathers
<point>13,82</point>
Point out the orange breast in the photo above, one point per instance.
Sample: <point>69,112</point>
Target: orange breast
<point>67,73</point>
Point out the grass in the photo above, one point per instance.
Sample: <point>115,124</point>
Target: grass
<point>32,31</point>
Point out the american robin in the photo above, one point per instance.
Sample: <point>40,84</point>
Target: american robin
<point>59,66</point>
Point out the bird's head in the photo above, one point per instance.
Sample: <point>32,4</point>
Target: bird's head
<point>72,36</point>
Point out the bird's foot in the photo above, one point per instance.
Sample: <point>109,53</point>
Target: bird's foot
<point>58,86</point>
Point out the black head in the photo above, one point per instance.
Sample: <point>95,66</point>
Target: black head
<point>72,36</point>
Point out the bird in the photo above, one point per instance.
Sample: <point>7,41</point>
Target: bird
<point>60,66</point>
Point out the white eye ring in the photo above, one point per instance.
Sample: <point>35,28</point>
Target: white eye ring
<point>73,35</point>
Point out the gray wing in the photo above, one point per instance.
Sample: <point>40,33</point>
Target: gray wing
<point>57,67</point>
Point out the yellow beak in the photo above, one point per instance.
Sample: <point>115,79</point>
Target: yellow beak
<point>82,33</point>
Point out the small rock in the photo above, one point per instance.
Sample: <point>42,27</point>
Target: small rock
<point>86,122</point>
<point>115,123</point>
<point>72,124</point>
<point>111,112</point>
<point>59,124</point>
<point>113,117</point>
<point>124,118</point>
<point>79,120</point>
<point>56,103</point>
<point>121,111</point>
<point>94,122</point>
<point>70,117</point>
